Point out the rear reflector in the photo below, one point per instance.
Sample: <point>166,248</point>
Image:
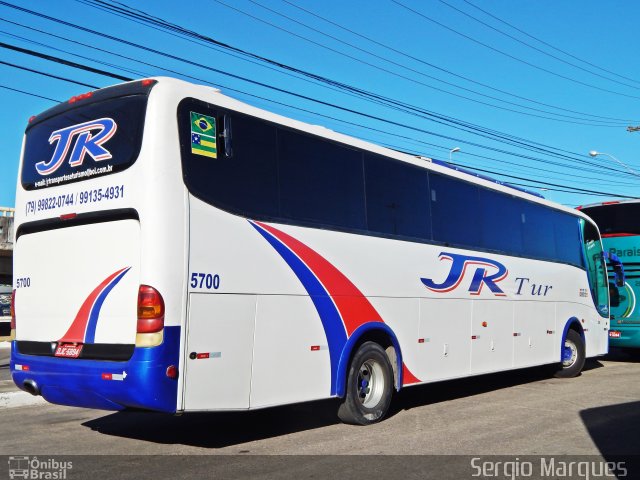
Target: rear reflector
<point>150,325</point>
<point>68,216</point>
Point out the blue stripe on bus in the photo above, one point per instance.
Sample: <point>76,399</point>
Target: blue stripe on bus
<point>80,383</point>
<point>329,315</point>
<point>90,335</point>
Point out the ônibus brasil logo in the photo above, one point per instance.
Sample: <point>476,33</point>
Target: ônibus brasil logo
<point>486,272</point>
<point>88,136</point>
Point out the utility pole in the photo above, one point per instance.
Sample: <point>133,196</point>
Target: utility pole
<point>633,129</point>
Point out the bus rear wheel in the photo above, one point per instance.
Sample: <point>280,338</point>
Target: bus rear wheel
<point>573,355</point>
<point>369,386</point>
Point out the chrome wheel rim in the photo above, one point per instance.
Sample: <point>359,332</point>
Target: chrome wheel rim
<point>570,354</point>
<point>370,383</point>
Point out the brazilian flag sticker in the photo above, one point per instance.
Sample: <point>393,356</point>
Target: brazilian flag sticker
<point>203,135</point>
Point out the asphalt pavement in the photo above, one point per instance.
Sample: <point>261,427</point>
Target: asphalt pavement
<point>433,431</point>
<point>512,413</point>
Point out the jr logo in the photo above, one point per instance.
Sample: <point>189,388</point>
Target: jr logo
<point>481,276</point>
<point>89,139</point>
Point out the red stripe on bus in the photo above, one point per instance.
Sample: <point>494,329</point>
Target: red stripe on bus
<point>78,327</point>
<point>353,306</point>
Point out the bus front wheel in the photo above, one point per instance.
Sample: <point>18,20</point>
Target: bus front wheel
<point>369,386</point>
<point>573,355</point>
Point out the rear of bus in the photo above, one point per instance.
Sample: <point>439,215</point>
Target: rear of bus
<point>619,224</point>
<point>99,252</point>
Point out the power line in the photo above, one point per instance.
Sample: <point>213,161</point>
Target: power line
<point>546,184</point>
<point>449,72</point>
<point>50,75</point>
<point>29,93</point>
<point>548,44</point>
<point>57,49</point>
<point>513,57</point>
<point>413,70</point>
<point>410,79</point>
<point>533,47</point>
<point>421,142</point>
<point>62,61</point>
<point>384,120</point>
<point>175,28</point>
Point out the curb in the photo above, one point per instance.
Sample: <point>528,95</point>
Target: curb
<point>19,399</point>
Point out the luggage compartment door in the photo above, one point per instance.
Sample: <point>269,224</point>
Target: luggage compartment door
<point>219,351</point>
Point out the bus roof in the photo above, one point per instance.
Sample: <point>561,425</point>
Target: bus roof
<point>175,87</point>
<point>608,202</point>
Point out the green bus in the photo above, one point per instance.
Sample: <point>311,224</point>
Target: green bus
<point>619,224</point>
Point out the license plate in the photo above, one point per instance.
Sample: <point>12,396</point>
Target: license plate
<point>614,334</point>
<point>69,350</point>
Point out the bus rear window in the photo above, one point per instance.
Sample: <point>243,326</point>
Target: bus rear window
<point>616,218</point>
<point>93,140</point>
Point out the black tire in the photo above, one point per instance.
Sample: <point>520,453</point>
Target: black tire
<point>572,366</point>
<point>369,386</point>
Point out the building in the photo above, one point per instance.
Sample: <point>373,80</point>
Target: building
<point>6,245</point>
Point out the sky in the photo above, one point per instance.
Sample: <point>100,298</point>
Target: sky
<point>524,89</point>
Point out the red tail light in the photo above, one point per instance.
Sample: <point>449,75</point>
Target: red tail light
<point>13,310</point>
<point>82,96</point>
<point>150,310</point>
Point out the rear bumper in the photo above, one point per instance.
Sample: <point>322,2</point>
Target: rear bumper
<point>629,337</point>
<point>140,382</point>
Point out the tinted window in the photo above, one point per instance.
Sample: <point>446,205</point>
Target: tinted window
<point>247,181</point>
<point>538,233</point>
<point>502,221</point>
<point>454,211</point>
<point>616,218</point>
<point>320,181</point>
<point>397,198</point>
<point>567,235</point>
<point>276,173</point>
<point>110,132</point>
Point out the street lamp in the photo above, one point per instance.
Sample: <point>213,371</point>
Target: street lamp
<point>595,153</point>
<point>452,151</point>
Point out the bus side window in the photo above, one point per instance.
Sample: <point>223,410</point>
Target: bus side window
<point>397,198</point>
<point>455,212</point>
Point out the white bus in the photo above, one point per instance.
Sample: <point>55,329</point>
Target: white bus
<point>178,250</point>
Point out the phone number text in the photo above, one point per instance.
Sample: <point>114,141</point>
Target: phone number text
<point>78,198</point>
